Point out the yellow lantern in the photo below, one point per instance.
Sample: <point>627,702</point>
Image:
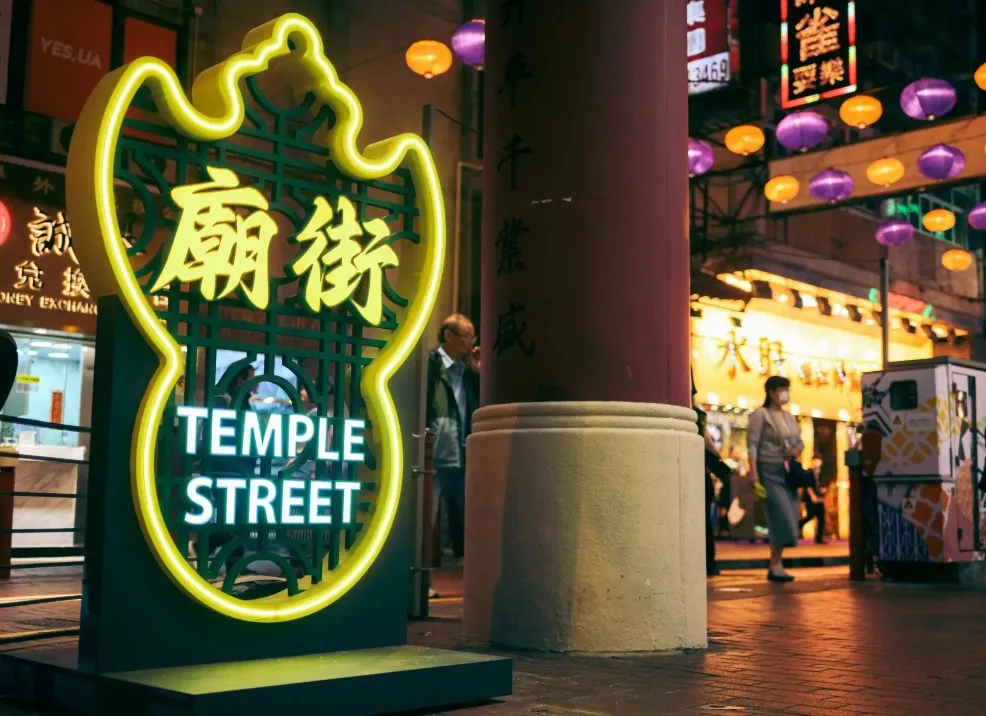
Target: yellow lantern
<point>980,77</point>
<point>429,58</point>
<point>861,111</point>
<point>782,189</point>
<point>744,139</point>
<point>956,259</point>
<point>938,220</point>
<point>886,171</point>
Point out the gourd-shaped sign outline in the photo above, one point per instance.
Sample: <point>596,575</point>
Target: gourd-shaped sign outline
<point>216,112</point>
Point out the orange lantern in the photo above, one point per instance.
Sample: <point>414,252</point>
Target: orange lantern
<point>861,111</point>
<point>745,139</point>
<point>782,189</point>
<point>429,58</point>
<point>956,259</point>
<point>938,220</point>
<point>980,77</point>
<point>886,171</point>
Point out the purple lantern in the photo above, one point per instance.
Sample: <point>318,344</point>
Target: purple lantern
<point>701,156</point>
<point>927,98</point>
<point>802,130</point>
<point>469,43</point>
<point>894,232</point>
<point>977,217</point>
<point>831,185</point>
<point>941,162</point>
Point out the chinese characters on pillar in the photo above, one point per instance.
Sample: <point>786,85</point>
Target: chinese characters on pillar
<point>710,24</point>
<point>818,50</point>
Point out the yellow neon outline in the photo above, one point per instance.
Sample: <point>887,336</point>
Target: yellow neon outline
<point>215,112</point>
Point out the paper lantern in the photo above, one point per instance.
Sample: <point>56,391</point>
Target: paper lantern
<point>861,111</point>
<point>956,259</point>
<point>980,77</point>
<point>802,130</point>
<point>831,185</point>
<point>894,232</point>
<point>928,98</point>
<point>469,43</point>
<point>886,171</point>
<point>701,157</point>
<point>782,189</point>
<point>941,162</point>
<point>745,139</point>
<point>429,58</point>
<point>938,220</point>
<point>5,223</point>
<point>977,217</point>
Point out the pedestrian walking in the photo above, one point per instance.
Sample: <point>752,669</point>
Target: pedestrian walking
<point>773,441</point>
<point>814,498</point>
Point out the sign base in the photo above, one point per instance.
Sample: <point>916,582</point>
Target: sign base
<point>348,683</point>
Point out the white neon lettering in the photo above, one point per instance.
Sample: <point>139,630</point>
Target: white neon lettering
<point>350,440</point>
<point>192,415</point>
<point>324,435</point>
<point>266,502</point>
<point>348,488</point>
<point>220,431</point>
<point>300,430</point>
<point>317,501</point>
<point>289,500</point>
<point>231,485</point>
<point>255,445</point>
<point>194,494</point>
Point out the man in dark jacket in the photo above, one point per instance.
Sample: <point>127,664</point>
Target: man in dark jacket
<point>453,395</point>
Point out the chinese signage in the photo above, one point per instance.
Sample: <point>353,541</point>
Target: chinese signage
<point>818,50</point>
<point>708,45</point>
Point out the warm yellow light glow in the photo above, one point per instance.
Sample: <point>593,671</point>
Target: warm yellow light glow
<point>980,76</point>
<point>886,171</point>
<point>956,259</point>
<point>861,111</point>
<point>816,413</point>
<point>429,58</point>
<point>795,409</point>
<point>938,220</point>
<point>782,189</point>
<point>844,416</point>
<point>216,112</point>
<point>745,139</point>
<point>736,281</point>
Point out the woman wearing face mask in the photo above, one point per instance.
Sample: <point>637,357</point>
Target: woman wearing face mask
<point>773,439</point>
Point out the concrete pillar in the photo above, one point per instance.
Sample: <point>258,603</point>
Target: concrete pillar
<point>585,488</point>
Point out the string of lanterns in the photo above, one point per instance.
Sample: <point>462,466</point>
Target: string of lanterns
<point>430,58</point>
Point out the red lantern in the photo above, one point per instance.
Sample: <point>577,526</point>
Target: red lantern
<point>5,223</point>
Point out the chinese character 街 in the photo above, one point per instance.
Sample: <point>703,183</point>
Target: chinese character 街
<point>212,241</point>
<point>335,261</point>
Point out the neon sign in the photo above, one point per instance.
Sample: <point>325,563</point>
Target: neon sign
<point>818,50</point>
<point>198,279</point>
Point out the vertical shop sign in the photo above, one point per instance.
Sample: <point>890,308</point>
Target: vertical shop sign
<point>6,10</point>
<point>708,45</point>
<point>818,50</point>
<point>57,406</point>
<point>68,52</point>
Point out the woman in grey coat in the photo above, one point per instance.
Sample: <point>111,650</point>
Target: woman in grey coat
<point>773,439</point>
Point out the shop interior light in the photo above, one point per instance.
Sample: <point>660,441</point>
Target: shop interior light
<point>808,301</point>
<point>762,289</point>
<point>62,346</point>
<point>41,331</point>
<point>41,344</point>
<point>824,306</point>
<point>58,355</point>
<point>782,297</point>
<point>854,313</point>
<point>796,299</point>
<point>32,353</point>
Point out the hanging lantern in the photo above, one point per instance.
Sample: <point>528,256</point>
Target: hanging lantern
<point>831,185</point>
<point>928,99</point>
<point>956,259</point>
<point>894,232</point>
<point>938,220</point>
<point>469,43</point>
<point>941,162</point>
<point>980,77</point>
<point>701,157</point>
<point>745,139</point>
<point>782,189</point>
<point>802,130</point>
<point>429,58</point>
<point>886,171</point>
<point>861,111</point>
<point>977,217</point>
<point>5,223</point>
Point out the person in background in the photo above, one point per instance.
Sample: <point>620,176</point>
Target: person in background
<point>453,395</point>
<point>713,466</point>
<point>814,499</point>
<point>744,498</point>
<point>773,439</point>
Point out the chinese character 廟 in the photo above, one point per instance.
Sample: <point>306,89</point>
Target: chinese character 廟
<point>696,42</point>
<point>805,78</point>
<point>212,241</point>
<point>50,234</point>
<point>74,283</point>
<point>696,12</point>
<point>29,276</point>
<point>818,33</point>
<point>832,72</point>
<point>335,260</point>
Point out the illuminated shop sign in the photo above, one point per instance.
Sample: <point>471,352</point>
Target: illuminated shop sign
<point>710,40</point>
<point>818,50</point>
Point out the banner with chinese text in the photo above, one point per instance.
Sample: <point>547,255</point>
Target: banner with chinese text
<point>818,50</point>
<point>708,44</point>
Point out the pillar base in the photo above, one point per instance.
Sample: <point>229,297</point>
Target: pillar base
<point>584,528</point>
